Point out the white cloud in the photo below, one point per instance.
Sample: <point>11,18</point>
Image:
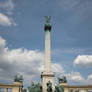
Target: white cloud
<point>2,42</point>
<point>29,63</point>
<point>74,77</point>
<point>90,77</point>
<point>7,5</point>
<point>83,60</point>
<point>19,61</point>
<point>5,20</point>
<point>57,68</point>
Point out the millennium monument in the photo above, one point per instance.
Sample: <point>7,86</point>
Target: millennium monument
<point>47,75</point>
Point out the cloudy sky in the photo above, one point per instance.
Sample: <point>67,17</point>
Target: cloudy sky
<point>22,39</point>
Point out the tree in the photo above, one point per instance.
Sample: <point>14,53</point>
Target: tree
<point>35,87</point>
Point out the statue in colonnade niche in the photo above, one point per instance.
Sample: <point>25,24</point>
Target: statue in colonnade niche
<point>18,78</point>
<point>49,87</point>
<point>62,80</point>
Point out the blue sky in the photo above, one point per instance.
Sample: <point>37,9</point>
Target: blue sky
<point>22,33</point>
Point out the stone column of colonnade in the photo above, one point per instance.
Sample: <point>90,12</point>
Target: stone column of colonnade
<point>78,90</point>
<point>85,90</point>
<point>13,89</point>
<point>66,90</point>
<point>6,89</point>
<point>16,89</point>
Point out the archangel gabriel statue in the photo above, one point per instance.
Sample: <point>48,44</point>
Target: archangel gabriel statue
<point>48,18</point>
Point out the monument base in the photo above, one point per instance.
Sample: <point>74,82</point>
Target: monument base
<point>46,77</point>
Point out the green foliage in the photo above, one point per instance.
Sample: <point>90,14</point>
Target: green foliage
<point>24,90</point>
<point>35,87</point>
<point>59,88</point>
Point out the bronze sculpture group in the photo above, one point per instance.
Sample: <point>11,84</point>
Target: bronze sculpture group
<point>58,88</point>
<point>38,88</point>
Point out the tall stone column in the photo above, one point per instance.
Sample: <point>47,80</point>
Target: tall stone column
<point>47,51</point>
<point>47,75</point>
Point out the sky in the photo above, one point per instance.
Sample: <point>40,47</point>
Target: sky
<point>22,39</point>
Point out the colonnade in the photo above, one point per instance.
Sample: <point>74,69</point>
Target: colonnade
<point>76,88</point>
<point>5,89</point>
<point>15,87</point>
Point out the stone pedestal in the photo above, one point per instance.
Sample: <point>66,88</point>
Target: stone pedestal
<point>17,87</point>
<point>46,77</point>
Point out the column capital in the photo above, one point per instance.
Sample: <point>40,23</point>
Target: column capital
<point>47,27</point>
<point>47,24</point>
